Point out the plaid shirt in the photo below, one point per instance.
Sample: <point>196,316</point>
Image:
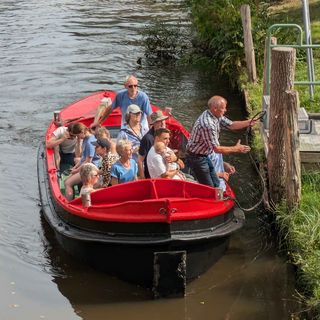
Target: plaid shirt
<point>205,133</point>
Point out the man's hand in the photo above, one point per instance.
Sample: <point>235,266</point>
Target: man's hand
<point>241,148</point>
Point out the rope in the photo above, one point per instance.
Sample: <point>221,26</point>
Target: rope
<point>256,117</point>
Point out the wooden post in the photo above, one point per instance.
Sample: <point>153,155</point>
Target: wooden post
<point>282,78</point>
<point>248,43</point>
<point>273,40</point>
<point>293,184</point>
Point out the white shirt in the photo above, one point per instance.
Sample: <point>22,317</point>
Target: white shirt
<point>68,145</point>
<point>155,163</point>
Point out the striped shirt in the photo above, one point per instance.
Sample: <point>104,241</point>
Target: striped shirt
<point>205,133</point>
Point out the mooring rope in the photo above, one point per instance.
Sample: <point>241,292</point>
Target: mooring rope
<point>256,117</point>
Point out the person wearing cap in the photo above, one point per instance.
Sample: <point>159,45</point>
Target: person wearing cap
<point>124,98</point>
<point>133,130</point>
<point>158,120</point>
<point>103,149</point>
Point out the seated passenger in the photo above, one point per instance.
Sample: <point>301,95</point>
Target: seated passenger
<point>103,149</point>
<point>165,152</point>
<point>133,131</point>
<point>89,177</point>
<point>155,162</point>
<point>158,120</point>
<point>125,169</point>
<point>66,142</point>
<point>88,155</point>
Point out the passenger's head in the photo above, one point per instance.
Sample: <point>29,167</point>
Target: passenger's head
<point>133,113</point>
<point>158,119</point>
<point>217,105</point>
<point>124,148</point>
<point>102,133</point>
<point>89,173</point>
<point>160,147</point>
<point>131,84</point>
<point>162,135</point>
<point>102,146</point>
<point>77,129</point>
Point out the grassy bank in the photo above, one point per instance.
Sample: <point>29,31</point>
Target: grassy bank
<point>300,229</point>
<point>219,27</point>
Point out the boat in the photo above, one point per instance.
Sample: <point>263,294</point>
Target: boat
<point>137,230</point>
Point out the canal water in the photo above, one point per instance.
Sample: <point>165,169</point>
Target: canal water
<point>54,52</point>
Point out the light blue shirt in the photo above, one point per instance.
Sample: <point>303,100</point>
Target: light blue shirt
<point>123,174</point>
<point>88,150</point>
<point>122,100</point>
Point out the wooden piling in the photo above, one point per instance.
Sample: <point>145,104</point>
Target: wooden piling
<point>293,183</point>
<point>248,43</point>
<point>273,41</point>
<point>282,79</point>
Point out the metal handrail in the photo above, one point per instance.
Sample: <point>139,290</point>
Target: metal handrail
<point>300,45</point>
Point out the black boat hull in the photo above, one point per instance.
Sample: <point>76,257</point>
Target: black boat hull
<point>131,256</point>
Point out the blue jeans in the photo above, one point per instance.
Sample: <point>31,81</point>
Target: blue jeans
<point>217,162</point>
<point>203,170</point>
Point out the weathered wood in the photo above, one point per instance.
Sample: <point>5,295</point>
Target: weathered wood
<point>292,146</point>
<point>273,41</point>
<point>169,277</point>
<point>248,43</point>
<point>282,78</point>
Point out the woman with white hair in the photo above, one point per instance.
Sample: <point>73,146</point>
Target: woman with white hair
<point>125,169</point>
<point>133,130</point>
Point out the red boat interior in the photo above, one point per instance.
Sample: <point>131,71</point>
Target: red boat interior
<point>148,200</point>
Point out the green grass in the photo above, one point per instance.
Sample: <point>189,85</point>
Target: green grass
<point>301,231</point>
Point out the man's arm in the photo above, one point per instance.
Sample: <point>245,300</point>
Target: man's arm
<point>237,148</point>
<point>102,113</point>
<point>54,141</point>
<point>237,125</point>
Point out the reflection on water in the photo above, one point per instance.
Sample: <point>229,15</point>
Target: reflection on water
<point>52,53</point>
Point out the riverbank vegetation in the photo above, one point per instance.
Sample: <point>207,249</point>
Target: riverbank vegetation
<point>220,38</point>
<point>217,39</point>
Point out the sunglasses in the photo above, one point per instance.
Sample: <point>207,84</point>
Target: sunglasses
<point>132,86</point>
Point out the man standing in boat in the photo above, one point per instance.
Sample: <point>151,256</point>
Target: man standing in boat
<point>204,142</point>
<point>124,98</point>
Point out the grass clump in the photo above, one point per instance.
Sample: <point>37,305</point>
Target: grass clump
<point>301,231</point>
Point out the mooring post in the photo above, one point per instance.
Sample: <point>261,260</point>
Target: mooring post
<point>169,276</point>
<point>248,42</point>
<point>293,184</point>
<point>266,63</point>
<point>282,78</point>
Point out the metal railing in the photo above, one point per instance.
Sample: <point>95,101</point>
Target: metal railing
<point>299,45</point>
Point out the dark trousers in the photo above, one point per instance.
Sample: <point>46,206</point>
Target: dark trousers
<point>203,170</point>
<point>67,158</point>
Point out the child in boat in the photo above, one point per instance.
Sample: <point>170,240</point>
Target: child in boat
<point>108,158</point>
<point>165,152</point>
<point>89,174</point>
